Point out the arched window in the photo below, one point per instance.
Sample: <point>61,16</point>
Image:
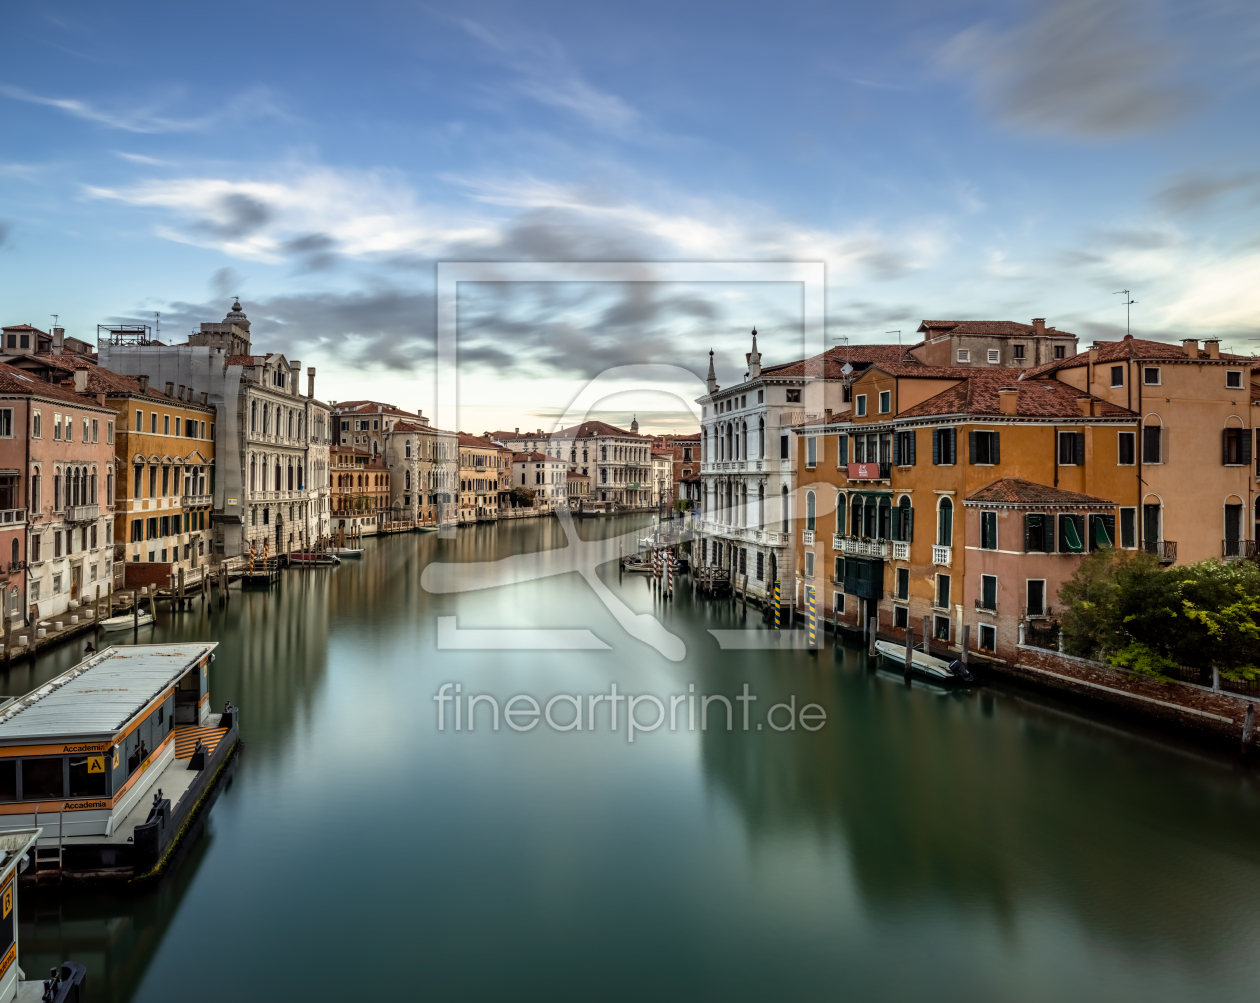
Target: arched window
<point>841,514</point>
<point>290,477</point>
<point>92,499</point>
<point>409,449</point>
<point>810,506</point>
<point>884,530</point>
<point>603,454</point>
<point>15,552</point>
<point>761,506</point>
<point>856,516</point>
<point>266,427</point>
<point>904,528</point>
<point>408,487</point>
<point>785,510</point>
<point>278,482</point>
<point>252,470</point>
<point>253,416</point>
<point>945,523</point>
<point>745,439</point>
<point>761,438</point>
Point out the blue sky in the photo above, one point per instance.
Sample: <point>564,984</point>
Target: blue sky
<point>944,159</point>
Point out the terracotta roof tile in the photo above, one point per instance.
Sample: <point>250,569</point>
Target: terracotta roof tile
<point>531,458</point>
<point>1134,349</point>
<point>978,395</point>
<point>832,361</point>
<point>1017,491</point>
<point>16,382</point>
<point>592,429</point>
<point>986,328</point>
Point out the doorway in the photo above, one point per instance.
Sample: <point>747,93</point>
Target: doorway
<point>76,581</point>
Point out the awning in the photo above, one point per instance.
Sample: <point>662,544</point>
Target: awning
<point>1069,533</point>
<point>1101,538</point>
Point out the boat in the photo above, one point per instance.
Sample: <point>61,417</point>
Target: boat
<point>126,621</point>
<point>349,552</point>
<point>928,666</point>
<point>639,565</point>
<point>314,560</point>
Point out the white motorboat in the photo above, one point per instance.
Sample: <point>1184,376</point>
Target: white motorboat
<point>348,552</point>
<point>925,665</point>
<point>127,621</point>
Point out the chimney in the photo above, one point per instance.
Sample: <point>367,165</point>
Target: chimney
<point>1082,405</point>
<point>1039,326</point>
<point>170,389</point>
<point>1008,400</point>
<point>67,385</point>
<point>1095,408</point>
<point>1213,347</point>
<point>1191,347</point>
<point>144,383</point>
<point>180,395</point>
<point>100,399</point>
<point>518,431</point>
<point>80,379</point>
<point>295,373</point>
<point>205,397</point>
<point>59,340</point>
<point>1093,354</point>
<point>310,382</point>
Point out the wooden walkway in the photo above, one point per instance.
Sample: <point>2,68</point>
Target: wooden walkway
<point>187,737</point>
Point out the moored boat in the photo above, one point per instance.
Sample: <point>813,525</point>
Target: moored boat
<point>928,666</point>
<point>127,621</point>
<point>314,560</point>
<point>349,551</point>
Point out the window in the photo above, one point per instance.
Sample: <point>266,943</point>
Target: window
<point>36,424</point>
<point>784,448</point>
<point>137,531</point>
<point>1102,531</point>
<point>109,432</point>
<point>944,446</point>
<point>861,406</point>
<point>885,401</point>
<point>811,505</point>
<point>903,583</point>
<point>88,777</point>
<point>842,450</point>
<point>988,637</point>
<point>57,427</point>
<point>1151,444</point>
<point>994,356</point>
<point>811,452</point>
<point>761,396</point>
<point>1036,539</point>
<point>988,531</point>
<point>964,355</point>
<point>984,448</point>
<point>793,396</point>
<point>1071,449</point>
<point>151,529</point>
<point>903,521</point>
<point>945,523</point>
<point>42,778</point>
<point>1233,379</point>
<point>837,603</point>
<point>1235,447</point>
<point>988,593</point>
<point>809,564</point>
<point>901,617</point>
<point>1071,534</point>
<point>1126,450</point>
<point>153,423</point>
<point>6,422</point>
<point>942,592</point>
<point>1017,353</point>
<point>1060,351</point>
<point>761,566</point>
<point>1036,591</point>
<point>1128,528</point>
<point>1150,376</point>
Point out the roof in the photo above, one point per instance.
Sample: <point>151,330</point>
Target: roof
<point>16,383</point>
<point>1134,349</point>
<point>407,426</point>
<point>978,395</point>
<point>829,363</point>
<point>100,695</point>
<point>25,327</point>
<point>1017,491</point>
<point>479,442</point>
<point>531,458</point>
<point>987,328</point>
<point>591,430</point>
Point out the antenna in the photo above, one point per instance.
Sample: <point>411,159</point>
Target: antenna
<point>1128,302</point>
<point>157,323</point>
<point>898,334</point>
<point>55,317</point>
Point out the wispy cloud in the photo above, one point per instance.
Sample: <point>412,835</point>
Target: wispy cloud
<point>140,158</point>
<point>148,120</point>
<point>545,73</point>
<point>1196,189</point>
<point>1091,68</point>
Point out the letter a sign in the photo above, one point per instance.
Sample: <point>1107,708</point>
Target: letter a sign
<point>96,764</point>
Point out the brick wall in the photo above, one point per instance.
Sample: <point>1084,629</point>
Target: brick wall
<point>138,575</point>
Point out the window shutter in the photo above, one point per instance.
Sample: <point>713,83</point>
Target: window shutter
<point>971,445</point>
<point>1078,448</point>
<point>996,456</point>
<point>1224,445</point>
<point>910,437</point>
<point>936,446</point>
<point>897,449</point>
<point>953,444</point>
<point>910,525</point>
<point>1027,534</point>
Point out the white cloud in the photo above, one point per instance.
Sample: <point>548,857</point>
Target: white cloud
<point>150,120</point>
<point>1217,294</point>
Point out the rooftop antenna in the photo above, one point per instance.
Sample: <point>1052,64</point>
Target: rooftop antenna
<point>157,323</point>
<point>1128,302</point>
<point>55,317</point>
<point>898,334</point>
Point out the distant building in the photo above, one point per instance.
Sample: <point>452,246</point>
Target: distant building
<point>485,469</point>
<point>360,490</point>
<point>579,489</point>
<point>1005,343</point>
<point>544,476</point>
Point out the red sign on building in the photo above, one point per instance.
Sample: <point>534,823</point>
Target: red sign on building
<point>863,471</point>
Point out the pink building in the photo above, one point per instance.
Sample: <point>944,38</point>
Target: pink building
<point>56,494</point>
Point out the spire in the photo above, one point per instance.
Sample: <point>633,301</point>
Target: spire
<point>711,379</point>
<point>634,424</point>
<point>754,358</point>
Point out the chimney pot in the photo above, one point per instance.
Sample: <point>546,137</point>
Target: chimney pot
<point>1191,347</point>
<point>1083,405</point>
<point>1093,354</point>
<point>205,397</point>
<point>310,382</point>
<point>80,380</point>
<point>1213,347</point>
<point>144,383</point>
<point>1039,326</point>
<point>1095,408</point>
<point>58,340</point>
<point>170,389</point>
<point>1008,400</point>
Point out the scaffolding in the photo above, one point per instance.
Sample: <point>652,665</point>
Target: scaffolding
<point>125,334</point>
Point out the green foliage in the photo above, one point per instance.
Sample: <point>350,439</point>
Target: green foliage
<point>522,497</point>
<point>1124,607</point>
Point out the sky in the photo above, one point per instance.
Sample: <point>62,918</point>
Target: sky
<point>945,160</point>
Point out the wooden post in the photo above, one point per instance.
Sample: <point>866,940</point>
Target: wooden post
<point>966,642</point>
<point>909,650</point>
<point>927,633</point>
<point>1249,726</point>
<point>181,588</point>
<point>135,609</point>
<point>872,624</point>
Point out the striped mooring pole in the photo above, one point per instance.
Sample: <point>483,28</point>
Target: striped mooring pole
<point>811,599</point>
<point>778,607</point>
<point>669,567</point>
<point>251,557</point>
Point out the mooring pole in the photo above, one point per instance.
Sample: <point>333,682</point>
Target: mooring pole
<point>871,625</point>
<point>909,651</point>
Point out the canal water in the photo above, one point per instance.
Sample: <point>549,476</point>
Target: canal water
<point>917,845</point>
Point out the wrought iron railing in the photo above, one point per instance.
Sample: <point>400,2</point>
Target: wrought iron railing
<point>1165,550</point>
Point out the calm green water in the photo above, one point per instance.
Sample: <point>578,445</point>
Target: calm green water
<point>970,846</point>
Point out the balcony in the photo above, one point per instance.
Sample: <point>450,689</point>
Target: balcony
<point>1165,550</point>
<point>900,551</point>
<point>869,471</point>
<point>854,547</point>
<point>807,537</point>
<point>942,555</point>
<point>195,501</point>
<point>82,513</point>
<point>983,606</point>
<point>12,515</point>
<point>1038,612</point>
<point>1236,550</point>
